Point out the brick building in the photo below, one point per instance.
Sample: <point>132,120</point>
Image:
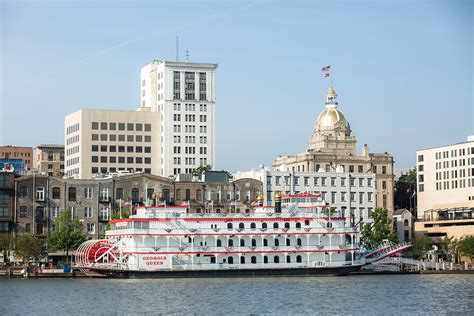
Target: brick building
<point>40,198</point>
<point>215,191</point>
<point>49,159</point>
<point>17,152</point>
<point>7,196</point>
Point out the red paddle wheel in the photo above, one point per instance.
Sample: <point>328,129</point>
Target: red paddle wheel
<point>98,254</point>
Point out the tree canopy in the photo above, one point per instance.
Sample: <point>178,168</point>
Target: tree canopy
<point>466,246</point>
<point>379,230</point>
<point>67,233</point>
<point>6,245</point>
<point>29,248</point>
<point>404,190</point>
<point>201,169</point>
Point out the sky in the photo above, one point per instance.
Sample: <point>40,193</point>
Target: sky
<point>403,70</point>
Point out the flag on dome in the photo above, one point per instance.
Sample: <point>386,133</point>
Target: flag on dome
<point>327,68</point>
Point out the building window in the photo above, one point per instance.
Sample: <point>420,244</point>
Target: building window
<point>95,125</point>
<point>119,193</point>
<point>90,228</point>
<point>23,211</point>
<point>88,212</point>
<point>420,158</point>
<point>55,212</point>
<point>421,187</point>
<point>104,194</point>
<point>72,194</point>
<point>23,191</point>
<point>40,194</point>
<point>135,195</point>
<point>56,193</point>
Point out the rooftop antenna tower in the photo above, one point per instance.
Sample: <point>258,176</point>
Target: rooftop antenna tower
<point>187,55</point>
<point>177,48</point>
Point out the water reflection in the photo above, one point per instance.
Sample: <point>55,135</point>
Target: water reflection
<point>389,294</point>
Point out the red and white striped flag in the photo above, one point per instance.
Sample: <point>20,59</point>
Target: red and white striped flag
<point>327,68</point>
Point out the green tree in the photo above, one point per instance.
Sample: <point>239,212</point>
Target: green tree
<point>6,245</point>
<point>421,245</point>
<point>29,248</point>
<point>67,233</point>
<point>201,169</point>
<point>404,188</point>
<point>466,246</point>
<point>379,230</point>
<point>449,248</point>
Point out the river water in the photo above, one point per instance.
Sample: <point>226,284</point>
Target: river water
<point>360,295</point>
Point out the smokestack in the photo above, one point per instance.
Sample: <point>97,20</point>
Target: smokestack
<point>277,202</point>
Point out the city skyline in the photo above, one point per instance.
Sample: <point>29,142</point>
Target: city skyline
<point>398,70</point>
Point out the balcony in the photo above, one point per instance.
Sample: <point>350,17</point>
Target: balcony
<point>449,214</point>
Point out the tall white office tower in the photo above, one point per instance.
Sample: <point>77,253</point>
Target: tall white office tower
<point>184,94</point>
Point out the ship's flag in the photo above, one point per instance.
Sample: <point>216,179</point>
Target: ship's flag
<point>327,74</point>
<point>327,68</point>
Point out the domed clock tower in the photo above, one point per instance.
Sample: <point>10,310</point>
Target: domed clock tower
<point>332,132</point>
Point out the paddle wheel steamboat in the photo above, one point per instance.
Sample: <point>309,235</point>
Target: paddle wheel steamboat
<point>300,235</point>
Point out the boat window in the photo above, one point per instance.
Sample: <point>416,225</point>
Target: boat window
<point>276,259</point>
<point>230,260</point>
<point>298,225</point>
<point>277,242</point>
<point>241,225</point>
<point>145,225</point>
<point>329,225</point>
<point>287,225</point>
<point>231,243</point>
<point>253,259</point>
<point>298,259</point>
<point>229,226</point>
<point>242,242</point>
<point>253,226</point>
<point>298,241</point>
<point>254,243</point>
<point>137,225</point>
<point>265,259</point>
<point>275,225</point>
<point>264,225</point>
<point>265,242</point>
<point>219,243</point>
<point>306,222</point>
<point>213,259</point>
<point>242,259</point>
<point>288,259</point>
<point>288,241</point>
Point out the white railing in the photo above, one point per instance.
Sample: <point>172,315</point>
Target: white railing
<point>181,229</point>
<point>186,247</point>
<point>187,265</point>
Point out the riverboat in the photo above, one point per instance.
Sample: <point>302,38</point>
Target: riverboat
<point>299,235</point>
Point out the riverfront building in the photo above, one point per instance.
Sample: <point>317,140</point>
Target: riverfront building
<point>108,141</point>
<point>333,144</point>
<point>183,93</point>
<point>353,193</point>
<point>49,159</point>
<point>40,198</point>
<point>446,190</point>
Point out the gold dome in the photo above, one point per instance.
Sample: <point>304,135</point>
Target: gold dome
<point>330,117</point>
